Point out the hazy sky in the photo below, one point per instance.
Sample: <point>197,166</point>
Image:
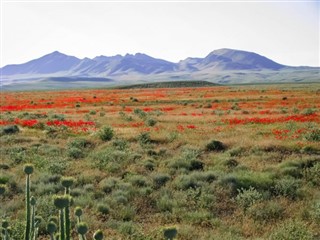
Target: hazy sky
<point>287,32</point>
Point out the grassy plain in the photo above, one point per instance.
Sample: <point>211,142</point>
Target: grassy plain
<point>224,162</point>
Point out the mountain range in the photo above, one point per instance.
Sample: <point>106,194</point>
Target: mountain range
<point>225,66</point>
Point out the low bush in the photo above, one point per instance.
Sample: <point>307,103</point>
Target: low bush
<point>291,230</point>
<point>151,122</point>
<point>160,179</point>
<point>287,187</point>
<point>80,143</point>
<point>103,209</point>
<point>265,212</point>
<point>144,138</point>
<point>313,174</point>
<point>106,133</point>
<point>11,129</point>
<point>120,144</point>
<point>215,145</point>
<point>248,197</point>
<point>75,153</point>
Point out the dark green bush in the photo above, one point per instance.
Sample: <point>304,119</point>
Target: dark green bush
<point>313,174</point>
<point>144,138</point>
<point>106,133</point>
<point>151,122</point>
<point>103,209</point>
<point>75,153</point>
<point>160,179</point>
<point>215,145</point>
<point>11,129</point>
<point>313,135</point>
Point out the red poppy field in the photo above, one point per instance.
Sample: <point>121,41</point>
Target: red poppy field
<point>224,162</point>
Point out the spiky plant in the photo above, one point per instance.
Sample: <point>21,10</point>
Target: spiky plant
<point>98,235</point>
<point>28,170</point>
<point>78,213</point>
<point>67,182</point>
<point>33,215</point>
<point>52,228</point>
<point>61,202</point>
<point>82,229</point>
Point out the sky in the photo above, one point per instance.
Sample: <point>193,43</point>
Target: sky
<point>286,32</point>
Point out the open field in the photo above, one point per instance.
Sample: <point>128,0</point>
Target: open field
<point>222,162</point>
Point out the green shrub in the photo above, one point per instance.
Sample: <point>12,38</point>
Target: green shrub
<point>291,230</point>
<point>108,184</point>
<point>120,144</point>
<point>144,138</point>
<point>313,174</point>
<point>11,129</point>
<point>103,209</point>
<point>106,133</point>
<point>266,212</point>
<point>125,213</point>
<point>160,179</point>
<point>185,182</point>
<point>188,160</point>
<point>149,165</point>
<point>308,111</point>
<point>287,187</point>
<point>75,153</point>
<point>151,122</point>
<point>80,143</point>
<point>165,203</point>
<point>243,179</point>
<point>248,197</point>
<point>215,145</point>
<point>138,181</point>
<point>313,135</point>
<point>170,233</point>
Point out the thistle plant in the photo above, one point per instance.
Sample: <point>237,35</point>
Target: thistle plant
<point>33,215</point>
<point>67,182</point>
<point>98,235</point>
<point>28,170</point>
<point>78,213</point>
<point>52,228</point>
<point>61,202</point>
<point>82,229</point>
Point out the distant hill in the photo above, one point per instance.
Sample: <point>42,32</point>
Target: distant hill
<point>225,66</point>
<point>174,84</point>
